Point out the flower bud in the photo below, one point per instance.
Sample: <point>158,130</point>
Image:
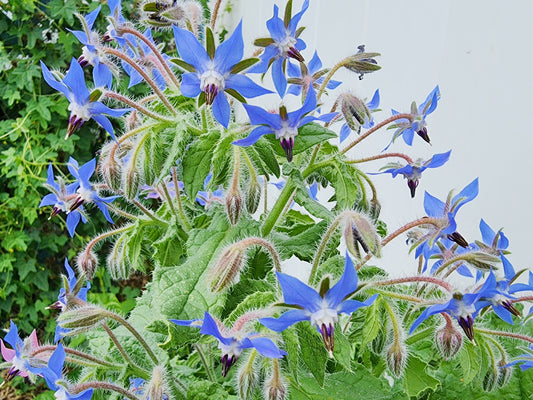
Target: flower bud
<point>354,110</point>
<point>359,230</point>
<point>87,263</point>
<point>157,388</point>
<point>275,387</point>
<point>164,14</point>
<point>397,359</point>
<point>117,264</point>
<point>449,341</point>
<point>131,180</point>
<point>81,319</point>
<point>375,209</point>
<point>234,206</point>
<point>362,62</point>
<point>247,376</point>
<point>490,381</point>
<point>504,373</point>
<point>227,268</point>
<point>110,168</point>
<point>253,196</point>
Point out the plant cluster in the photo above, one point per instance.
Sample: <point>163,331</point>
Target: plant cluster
<point>184,185</point>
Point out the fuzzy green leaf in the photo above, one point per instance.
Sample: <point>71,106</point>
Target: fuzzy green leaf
<point>313,352</point>
<point>197,162</point>
<point>417,379</point>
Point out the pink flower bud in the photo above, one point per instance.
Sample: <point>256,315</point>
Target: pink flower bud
<point>449,341</point>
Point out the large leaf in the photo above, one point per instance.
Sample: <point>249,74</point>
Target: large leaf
<point>417,379</point>
<point>197,162</point>
<point>313,351</point>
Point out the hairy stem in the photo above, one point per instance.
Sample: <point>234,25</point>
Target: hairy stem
<point>123,99</point>
<point>380,156</point>
<point>103,386</point>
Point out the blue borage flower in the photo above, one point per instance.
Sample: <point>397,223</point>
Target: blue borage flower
<point>356,113</point>
<point>117,18</point>
<point>71,294</point>
<point>53,374</point>
<point>20,355</point>
<point>413,171</point>
<point>102,75</point>
<point>417,122</point>
<point>321,309</point>
<point>305,76</point>
<point>215,72</point>
<point>62,198</point>
<point>233,342</point>
<point>82,107</point>
<point>463,307</point>
<point>284,125</point>
<point>282,44</point>
<point>442,215</point>
<point>85,192</point>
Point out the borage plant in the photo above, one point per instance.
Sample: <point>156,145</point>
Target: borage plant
<point>184,183</point>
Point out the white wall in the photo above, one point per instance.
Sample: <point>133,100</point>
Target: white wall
<point>479,52</point>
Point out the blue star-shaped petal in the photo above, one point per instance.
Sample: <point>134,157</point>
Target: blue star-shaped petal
<point>321,309</point>
<point>214,74</point>
<point>232,342</point>
<point>81,107</point>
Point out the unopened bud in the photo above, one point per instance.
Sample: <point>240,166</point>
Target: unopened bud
<point>81,319</point>
<point>164,14</point>
<point>458,238</point>
<point>233,206</point>
<point>490,381</point>
<point>131,181</point>
<point>109,167</point>
<point>449,341</point>
<point>397,359</point>
<point>87,263</point>
<point>354,110</point>
<point>247,376</point>
<point>482,261</point>
<point>504,373</point>
<point>117,264</point>
<point>157,388</point>
<point>360,230</point>
<point>362,62</point>
<point>226,270</point>
<point>275,387</point>
<point>375,209</point>
<point>253,196</point>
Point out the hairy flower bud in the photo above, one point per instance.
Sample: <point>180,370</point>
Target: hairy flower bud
<point>354,111</point>
<point>275,387</point>
<point>87,263</point>
<point>359,230</point>
<point>362,63</point>
<point>117,264</point>
<point>81,319</point>
<point>131,180</point>
<point>247,376</point>
<point>253,196</point>
<point>226,270</point>
<point>490,381</point>
<point>504,373</point>
<point>449,341</point>
<point>157,388</point>
<point>110,168</point>
<point>397,359</point>
<point>234,206</point>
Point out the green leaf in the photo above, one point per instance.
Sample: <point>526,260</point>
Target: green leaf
<point>343,178</point>
<point>469,361</point>
<point>169,248</point>
<point>254,301</point>
<point>417,379</point>
<point>197,162</point>
<point>373,323</point>
<point>302,245</point>
<point>343,349</point>
<point>313,352</point>
<point>290,340</point>
<point>223,159</point>
<point>360,384</point>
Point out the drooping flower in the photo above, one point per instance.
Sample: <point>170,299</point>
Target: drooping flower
<point>53,374</point>
<point>233,341</point>
<point>102,75</point>
<point>305,76</point>
<point>356,113</point>
<point>417,122</point>
<point>215,72</point>
<point>70,295</point>
<point>413,171</point>
<point>154,192</point>
<point>463,307</point>
<point>442,217</point>
<point>20,356</point>
<point>82,107</point>
<point>284,125</point>
<point>62,198</point>
<point>86,193</point>
<point>321,309</point>
<point>283,43</point>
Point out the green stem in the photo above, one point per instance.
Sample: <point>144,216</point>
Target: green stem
<point>507,334</point>
<point>103,386</point>
<point>134,332</point>
<point>395,324</point>
<point>184,219</point>
<point>79,354</point>
<point>380,156</point>
<point>105,235</point>
<point>207,365</point>
<point>133,132</point>
<point>374,129</point>
<point>325,239</point>
<point>278,207</point>
<point>123,99</point>
<point>414,279</point>
<point>330,74</point>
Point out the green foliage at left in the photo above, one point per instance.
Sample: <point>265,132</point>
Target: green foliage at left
<point>33,120</point>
